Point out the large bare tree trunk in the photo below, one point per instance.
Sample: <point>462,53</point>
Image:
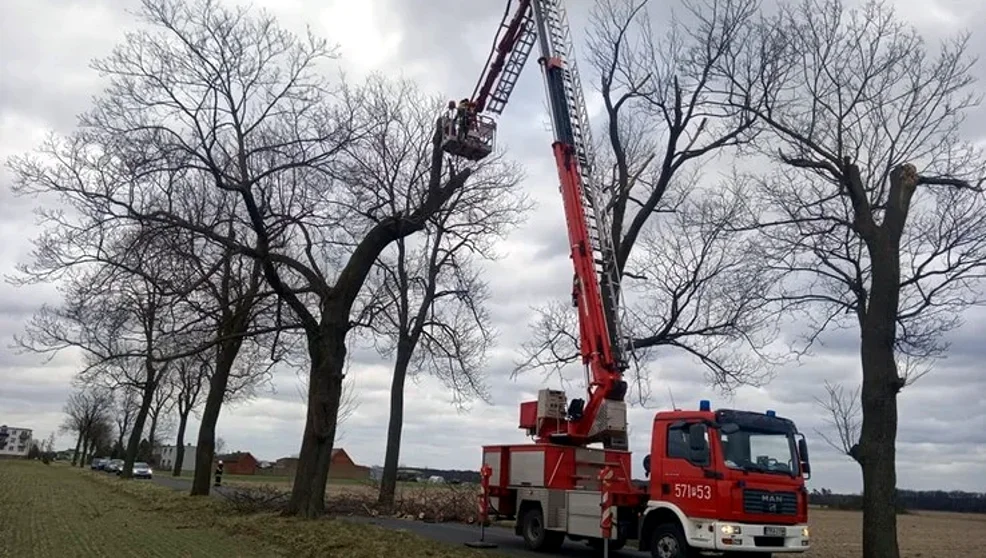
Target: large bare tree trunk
<point>877,445</point>
<point>388,483</point>
<point>328,356</point>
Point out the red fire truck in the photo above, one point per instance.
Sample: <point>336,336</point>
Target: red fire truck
<point>719,480</point>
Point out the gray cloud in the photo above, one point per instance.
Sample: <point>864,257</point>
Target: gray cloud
<point>45,46</point>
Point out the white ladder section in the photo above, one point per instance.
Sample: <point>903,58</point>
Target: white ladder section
<point>514,63</point>
<point>593,200</point>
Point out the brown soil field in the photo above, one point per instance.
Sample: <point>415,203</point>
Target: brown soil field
<point>839,534</point>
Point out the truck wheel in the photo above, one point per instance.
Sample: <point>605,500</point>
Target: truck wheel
<point>536,537</point>
<point>668,541</point>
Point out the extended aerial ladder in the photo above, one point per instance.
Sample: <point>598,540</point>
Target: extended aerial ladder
<point>715,484</point>
<point>471,134</point>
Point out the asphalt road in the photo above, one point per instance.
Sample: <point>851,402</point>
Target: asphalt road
<point>184,484</point>
<point>508,544</point>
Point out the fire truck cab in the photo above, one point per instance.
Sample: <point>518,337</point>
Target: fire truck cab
<point>725,480</point>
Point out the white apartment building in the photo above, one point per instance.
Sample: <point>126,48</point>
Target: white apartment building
<point>170,453</point>
<point>15,442</point>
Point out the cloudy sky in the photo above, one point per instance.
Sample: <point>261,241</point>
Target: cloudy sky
<point>45,46</point>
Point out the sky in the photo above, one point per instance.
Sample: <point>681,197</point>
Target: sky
<point>45,46</point>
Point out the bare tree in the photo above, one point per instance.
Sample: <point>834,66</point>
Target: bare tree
<point>118,321</point>
<point>429,296</point>
<point>688,282</point>
<point>162,403</point>
<point>863,236</point>
<point>189,377</point>
<point>209,95</point>
<point>100,435</point>
<point>126,405</point>
<point>842,409</point>
<point>87,409</point>
<point>220,445</point>
<point>219,292</point>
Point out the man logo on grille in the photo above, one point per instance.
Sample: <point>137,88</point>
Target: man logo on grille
<point>770,502</point>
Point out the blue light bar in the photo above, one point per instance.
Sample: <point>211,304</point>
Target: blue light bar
<point>771,413</point>
<point>704,405</point>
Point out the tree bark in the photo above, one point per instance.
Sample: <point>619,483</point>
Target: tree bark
<point>119,439</point>
<point>205,447</point>
<point>881,383</point>
<point>133,445</point>
<point>78,448</point>
<point>327,350</point>
<point>85,451</point>
<point>388,483</point>
<point>150,437</point>
<point>180,442</point>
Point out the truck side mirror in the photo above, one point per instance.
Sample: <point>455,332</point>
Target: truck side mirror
<point>698,445</point>
<point>803,456</point>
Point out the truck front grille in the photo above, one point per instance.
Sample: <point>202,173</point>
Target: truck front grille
<point>764,501</point>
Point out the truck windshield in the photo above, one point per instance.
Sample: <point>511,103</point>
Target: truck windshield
<point>760,451</point>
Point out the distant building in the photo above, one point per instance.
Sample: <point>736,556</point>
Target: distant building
<point>15,442</point>
<point>342,467</point>
<point>239,463</point>
<point>170,453</point>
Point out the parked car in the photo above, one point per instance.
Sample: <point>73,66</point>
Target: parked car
<point>99,463</point>
<point>142,470</point>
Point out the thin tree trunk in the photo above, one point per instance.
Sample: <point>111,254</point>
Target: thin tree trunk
<point>328,354</point>
<point>85,451</point>
<point>138,429</point>
<point>78,448</point>
<point>388,483</point>
<point>119,440</point>
<point>150,437</point>
<point>180,442</point>
<point>206,444</point>
<point>881,383</point>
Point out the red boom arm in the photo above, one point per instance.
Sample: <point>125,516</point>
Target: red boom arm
<point>543,21</point>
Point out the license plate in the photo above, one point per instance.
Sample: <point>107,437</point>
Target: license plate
<point>774,531</point>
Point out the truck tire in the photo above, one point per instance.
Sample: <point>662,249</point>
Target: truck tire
<point>536,537</point>
<point>668,541</point>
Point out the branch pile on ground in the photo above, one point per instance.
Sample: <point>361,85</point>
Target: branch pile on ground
<point>425,502</point>
<point>255,499</point>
